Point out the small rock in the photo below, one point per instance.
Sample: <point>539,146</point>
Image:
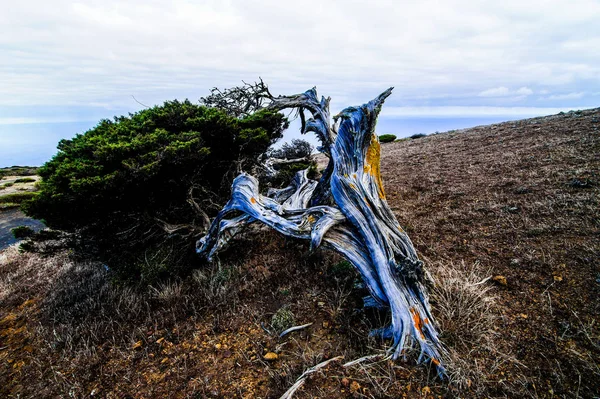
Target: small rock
<point>580,183</point>
<point>320,304</point>
<point>218,346</point>
<point>515,262</point>
<point>522,190</point>
<point>500,280</point>
<point>270,356</point>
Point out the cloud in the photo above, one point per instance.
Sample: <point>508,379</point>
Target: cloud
<point>97,54</point>
<point>566,96</point>
<point>505,92</point>
<point>495,92</point>
<point>524,91</point>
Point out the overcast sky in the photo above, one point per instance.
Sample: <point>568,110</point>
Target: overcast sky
<point>79,61</point>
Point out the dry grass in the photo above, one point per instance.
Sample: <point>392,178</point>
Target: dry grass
<point>15,184</point>
<point>468,317</point>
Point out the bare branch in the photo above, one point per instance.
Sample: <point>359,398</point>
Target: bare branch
<point>241,100</point>
<point>300,381</point>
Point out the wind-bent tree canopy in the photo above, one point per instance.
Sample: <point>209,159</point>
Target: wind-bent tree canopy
<point>346,210</point>
<point>135,187</point>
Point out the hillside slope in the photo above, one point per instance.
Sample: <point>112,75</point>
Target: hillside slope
<point>506,217</point>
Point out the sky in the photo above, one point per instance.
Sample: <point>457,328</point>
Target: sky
<point>453,63</point>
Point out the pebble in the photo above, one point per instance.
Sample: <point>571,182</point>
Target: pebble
<point>270,356</point>
<point>500,280</point>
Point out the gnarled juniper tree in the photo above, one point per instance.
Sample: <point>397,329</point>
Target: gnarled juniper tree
<point>346,210</point>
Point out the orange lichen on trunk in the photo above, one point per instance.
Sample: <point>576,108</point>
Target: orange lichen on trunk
<point>371,166</point>
<point>417,321</point>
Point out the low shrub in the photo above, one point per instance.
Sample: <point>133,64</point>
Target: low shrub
<point>282,320</point>
<point>20,232</point>
<point>297,149</point>
<point>17,198</point>
<point>140,188</point>
<point>18,171</point>
<point>25,180</point>
<point>387,138</point>
<point>418,136</point>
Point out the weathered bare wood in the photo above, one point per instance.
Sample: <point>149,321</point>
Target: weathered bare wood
<point>300,381</point>
<point>346,211</point>
<point>295,328</point>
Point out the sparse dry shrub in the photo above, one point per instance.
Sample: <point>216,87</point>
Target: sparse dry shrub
<point>214,284</point>
<point>464,308</point>
<point>464,304</point>
<point>282,319</point>
<point>170,291</point>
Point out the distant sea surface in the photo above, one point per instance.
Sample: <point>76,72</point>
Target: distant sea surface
<point>33,144</point>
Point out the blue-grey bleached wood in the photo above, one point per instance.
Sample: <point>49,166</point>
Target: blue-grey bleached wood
<point>346,211</point>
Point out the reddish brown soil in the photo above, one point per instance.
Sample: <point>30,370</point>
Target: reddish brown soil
<point>518,200</point>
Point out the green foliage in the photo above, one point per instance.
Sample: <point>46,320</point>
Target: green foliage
<point>298,148</point>
<point>119,182</point>
<point>18,171</point>
<point>286,173</point>
<point>17,198</point>
<point>342,269</point>
<point>418,136</point>
<point>387,138</point>
<point>20,232</point>
<point>5,185</point>
<point>282,319</point>
<point>25,180</point>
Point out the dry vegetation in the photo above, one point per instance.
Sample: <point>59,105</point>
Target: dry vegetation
<point>516,201</point>
<point>16,188</point>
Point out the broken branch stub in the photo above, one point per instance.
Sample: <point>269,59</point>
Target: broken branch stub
<point>346,210</point>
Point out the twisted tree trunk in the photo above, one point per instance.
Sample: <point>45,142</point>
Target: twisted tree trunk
<point>345,210</point>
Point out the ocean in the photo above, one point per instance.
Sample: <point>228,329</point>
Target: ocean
<point>33,144</point>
